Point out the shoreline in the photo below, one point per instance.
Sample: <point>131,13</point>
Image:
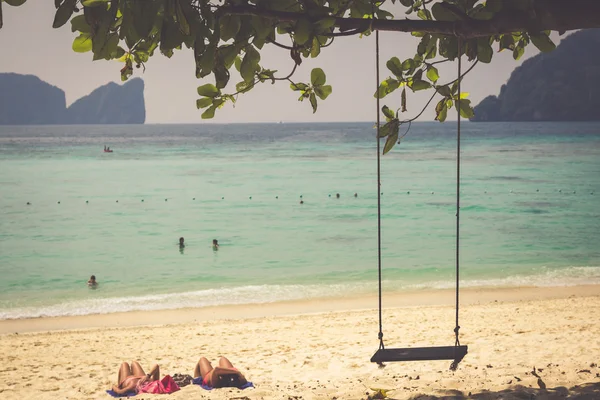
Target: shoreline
<point>522,343</point>
<point>426,298</point>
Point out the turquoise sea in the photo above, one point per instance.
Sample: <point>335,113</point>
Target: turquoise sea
<point>530,212</point>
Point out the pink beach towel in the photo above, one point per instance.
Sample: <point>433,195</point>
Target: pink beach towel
<point>165,386</point>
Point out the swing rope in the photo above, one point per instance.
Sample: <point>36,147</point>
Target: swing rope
<point>381,345</point>
<point>457,327</point>
<point>457,103</point>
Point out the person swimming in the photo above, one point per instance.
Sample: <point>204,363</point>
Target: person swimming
<point>92,282</point>
<point>215,244</point>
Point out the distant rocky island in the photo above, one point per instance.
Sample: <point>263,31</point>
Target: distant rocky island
<point>27,100</point>
<point>563,85</point>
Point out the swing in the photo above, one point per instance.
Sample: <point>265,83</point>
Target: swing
<point>457,352</point>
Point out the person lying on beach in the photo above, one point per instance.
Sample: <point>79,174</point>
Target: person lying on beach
<point>92,282</point>
<point>225,375</point>
<point>134,379</point>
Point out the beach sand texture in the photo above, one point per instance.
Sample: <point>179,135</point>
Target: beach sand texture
<point>549,347</point>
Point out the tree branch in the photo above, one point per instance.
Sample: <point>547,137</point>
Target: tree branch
<point>555,15</point>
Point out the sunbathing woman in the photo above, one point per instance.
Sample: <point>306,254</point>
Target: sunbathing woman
<point>225,375</point>
<point>134,379</point>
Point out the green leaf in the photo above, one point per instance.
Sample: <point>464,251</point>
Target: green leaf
<point>298,86</point>
<point>82,43</point>
<point>94,3</point>
<point>484,50</point>
<point>424,14</point>
<point>63,13</point>
<point>317,77</point>
<point>323,91</point>
<point>408,64</point>
<point>313,102</point>
<point>388,113</point>
<point>230,26</point>
<point>208,90</point>
<point>395,66</point>
<point>303,31</point>
<point>15,3</point>
<point>466,111</point>
<point>441,13</point>
<point>249,64</point>
<point>209,113</point>
<point>507,42</point>
<point>419,85</point>
<point>243,86</point>
<point>325,23</point>
<point>389,128</point>
<point>432,74</point>
<point>182,10</point>
<point>518,51</point>
<point>441,110</point>
<point>390,143</point>
<point>384,130</point>
<point>542,42</point>
<point>441,116</point>
<point>315,50</point>
<point>443,90</point>
<point>79,23</point>
<point>203,102</point>
<point>386,87</point>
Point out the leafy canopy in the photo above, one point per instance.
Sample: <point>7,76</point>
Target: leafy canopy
<point>231,34</point>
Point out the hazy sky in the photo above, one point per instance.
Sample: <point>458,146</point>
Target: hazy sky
<point>30,45</point>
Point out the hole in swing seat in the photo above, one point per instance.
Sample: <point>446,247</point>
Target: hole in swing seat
<point>456,353</point>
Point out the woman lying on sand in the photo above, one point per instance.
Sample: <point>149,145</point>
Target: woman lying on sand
<point>133,379</point>
<point>225,375</point>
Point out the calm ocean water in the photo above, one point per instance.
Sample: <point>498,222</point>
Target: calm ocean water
<point>529,216</point>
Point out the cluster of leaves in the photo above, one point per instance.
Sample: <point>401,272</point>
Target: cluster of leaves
<point>222,37</point>
<point>420,72</point>
<point>226,34</point>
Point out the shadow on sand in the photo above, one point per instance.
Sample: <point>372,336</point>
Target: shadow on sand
<point>587,391</point>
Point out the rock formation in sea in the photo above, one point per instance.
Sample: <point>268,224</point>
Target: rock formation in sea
<point>563,85</point>
<point>27,100</point>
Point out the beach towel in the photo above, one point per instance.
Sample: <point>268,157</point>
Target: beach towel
<point>165,386</point>
<point>198,381</point>
<point>128,394</point>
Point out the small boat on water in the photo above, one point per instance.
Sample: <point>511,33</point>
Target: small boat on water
<point>107,150</point>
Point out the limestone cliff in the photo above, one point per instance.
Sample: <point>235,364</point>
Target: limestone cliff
<point>563,85</point>
<point>27,100</point>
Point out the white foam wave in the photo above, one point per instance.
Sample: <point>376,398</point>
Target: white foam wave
<point>196,299</point>
<point>572,276</point>
<point>275,293</point>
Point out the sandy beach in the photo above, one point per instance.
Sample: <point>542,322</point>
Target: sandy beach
<point>543,342</point>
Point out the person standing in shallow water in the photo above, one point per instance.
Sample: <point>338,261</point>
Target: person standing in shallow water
<point>92,282</point>
<point>215,245</point>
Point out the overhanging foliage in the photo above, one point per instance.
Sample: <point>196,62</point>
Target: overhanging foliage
<point>231,34</point>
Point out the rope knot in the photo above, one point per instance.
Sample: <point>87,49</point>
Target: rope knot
<point>380,336</point>
<point>456,329</point>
